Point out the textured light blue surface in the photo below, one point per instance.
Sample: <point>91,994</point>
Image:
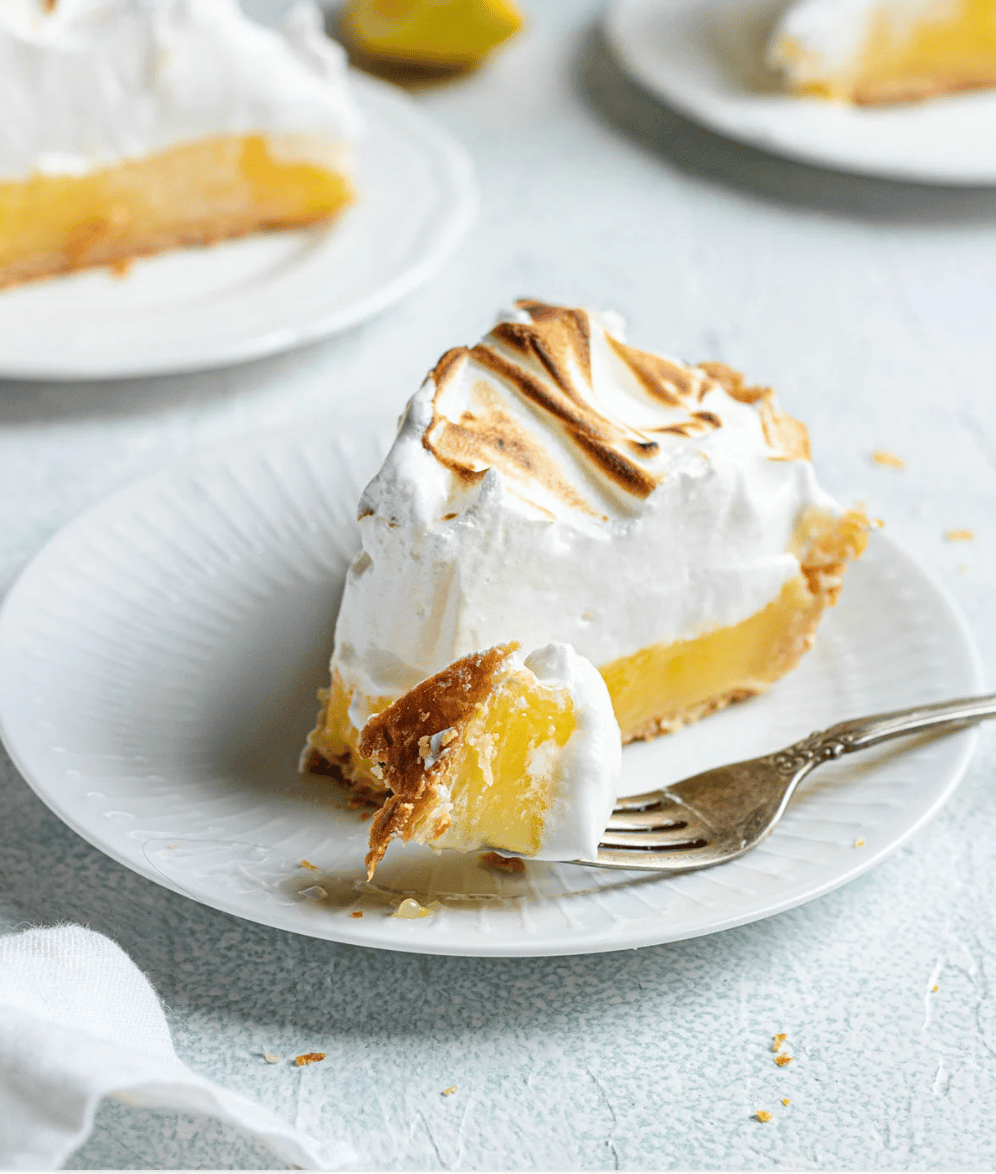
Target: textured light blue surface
<point>869,306</point>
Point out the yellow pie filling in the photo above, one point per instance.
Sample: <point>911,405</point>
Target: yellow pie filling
<point>332,746</point>
<point>654,691</point>
<point>191,194</point>
<point>666,685</point>
<point>662,687</point>
<point>502,772</point>
<point>472,757</point>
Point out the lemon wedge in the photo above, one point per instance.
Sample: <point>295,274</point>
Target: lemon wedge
<point>434,34</point>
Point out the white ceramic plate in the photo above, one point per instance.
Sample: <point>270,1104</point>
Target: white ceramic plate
<point>158,666</point>
<point>706,59</point>
<point>207,307</point>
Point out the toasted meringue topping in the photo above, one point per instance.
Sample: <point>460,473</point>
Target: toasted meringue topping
<point>670,382</point>
<point>485,436</point>
<point>555,483</point>
<point>545,375</point>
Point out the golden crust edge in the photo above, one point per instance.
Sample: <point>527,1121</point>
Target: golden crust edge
<point>210,232</point>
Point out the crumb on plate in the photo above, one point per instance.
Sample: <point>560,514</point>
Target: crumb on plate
<point>410,909</point>
<point>762,1114</point>
<point>356,913</point>
<point>935,988</point>
<point>510,864</point>
<point>786,1101</point>
<point>960,535</point>
<point>779,1040</point>
<point>887,459</point>
<point>271,1057</point>
<point>448,1092</point>
<point>859,843</point>
<point>781,1060</point>
<point>309,866</point>
<point>309,1058</point>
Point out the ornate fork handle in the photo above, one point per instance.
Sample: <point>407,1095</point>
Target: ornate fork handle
<point>859,734</point>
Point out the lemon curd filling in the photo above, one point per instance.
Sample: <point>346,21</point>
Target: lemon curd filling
<point>332,747</point>
<point>951,47</point>
<point>502,778</point>
<point>666,685</point>
<point>654,691</point>
<point>475,757</point>
<point>661,687</point>
<point>191,194</point>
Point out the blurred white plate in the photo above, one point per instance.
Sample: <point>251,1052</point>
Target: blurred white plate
<point>706,59</point>
<point>158,667</point>
<point>207,307</point>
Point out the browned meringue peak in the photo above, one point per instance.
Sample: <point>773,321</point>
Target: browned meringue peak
<point>540,372</point>
<point>786,435</point>
<point>486,437</point>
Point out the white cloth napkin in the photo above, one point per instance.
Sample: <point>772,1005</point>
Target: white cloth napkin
<point>80,1022</point>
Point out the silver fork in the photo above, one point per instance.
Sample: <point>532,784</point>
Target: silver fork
<point>720,814</point>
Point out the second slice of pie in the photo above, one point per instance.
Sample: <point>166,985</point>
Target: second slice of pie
<point>129,127</point>
<point>880,52</point>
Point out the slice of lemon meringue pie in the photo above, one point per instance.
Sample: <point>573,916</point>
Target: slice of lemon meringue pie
<point>554,483</point>
<point>130,127</point>
<point>498,752</point>
<point>876,52</point>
